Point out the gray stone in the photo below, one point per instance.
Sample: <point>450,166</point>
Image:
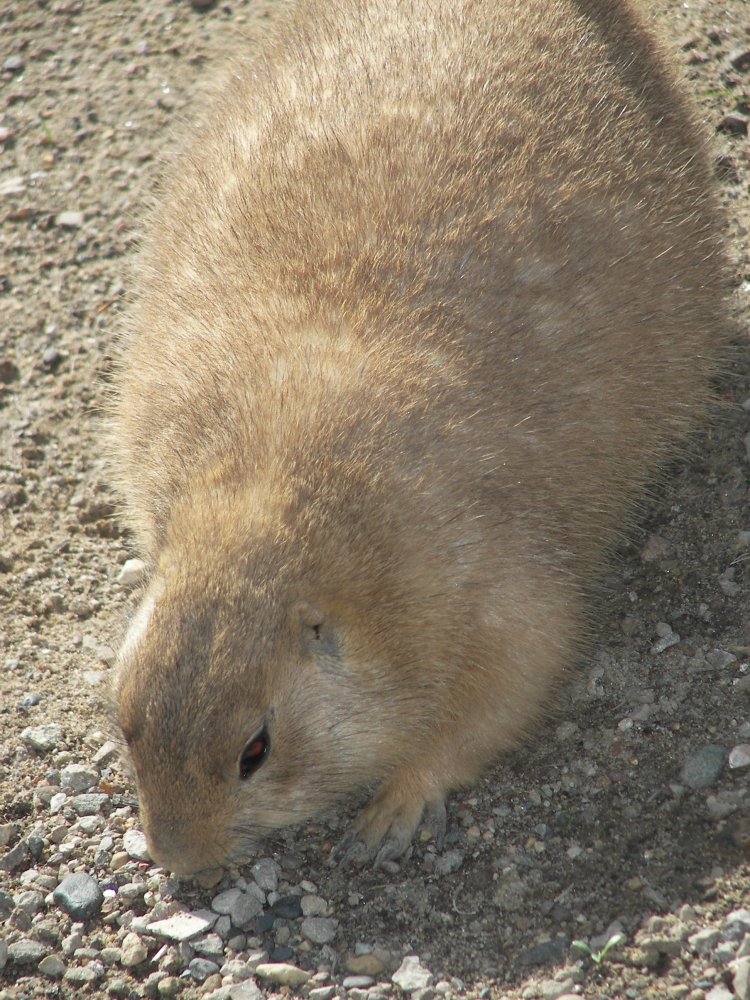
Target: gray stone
<point>357,982</point>
<point>245,910</point>
<point>266,874</point>
<point>741,978</point>
<point>545,952</point>
<point>739,756</point>
<point>78,778</point>
<point>79,896</point>
<point>224,901</point>
<point>322,993</point>
<point>703,767</point>
<point>201,968</point>
<point>245,991</point>
<point>134,842</point>
<point>314,906</point>
<point>703,942</point>
<point>90,803</point>
<point>3,954</point>
<point>42,738</point>
<point>14,64</point>
<point>31,901</point>
<point>86,975</point>
<point>448,863</point>
<point>132,951</point>
<point>412,975</point>
<point>27,952</point>
<point>319,930</point>
<point>737,924</point>
<point>52,966</point>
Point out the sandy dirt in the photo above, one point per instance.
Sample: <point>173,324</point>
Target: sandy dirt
<point>590,829</point>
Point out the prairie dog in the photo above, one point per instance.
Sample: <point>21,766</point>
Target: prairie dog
<point>432,290</point>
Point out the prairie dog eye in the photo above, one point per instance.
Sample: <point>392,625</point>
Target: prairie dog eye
<point>255,752</point>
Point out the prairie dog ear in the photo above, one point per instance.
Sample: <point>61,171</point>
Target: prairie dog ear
<point>316,631</point>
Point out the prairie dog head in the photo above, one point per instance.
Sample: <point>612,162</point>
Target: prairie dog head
<point>247,701</point>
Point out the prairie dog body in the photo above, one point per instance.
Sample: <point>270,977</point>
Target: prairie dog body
<point>431,292</point>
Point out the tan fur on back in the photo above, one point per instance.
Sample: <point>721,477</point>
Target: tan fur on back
<point>431,292</point>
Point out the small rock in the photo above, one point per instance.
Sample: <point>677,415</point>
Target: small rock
<point>15,856</point>
<point>322,993</point>
<point>719,993</point>
<point>357,982</point>
<point>90,803</point>
<point>544,952</point>
<point>42,738</point>
<point>78,778</point>
<point>86,975</point>
<point>169,987</point>
<point>69,220</point>
<point>365,965</point>
<point>703,767</point>
<point>3,954</point>
<point>245,910</point>
<point>266,874</point>
<point>554,990</point>
<point>201,968</point>
<point>314,906</point>
<point>703,942</point>
<point>319,930</point>
<point>14,64</point>
<point>132,951</point>
<point>180,927</point>
<point>282,973</point>
<point>734,123</point>
<point>411,975</point>
<point>739,756</point>
<point>737,925</point>
<point>131,572</point>
<point>135,844</point>
<point>27,952</point>
<point>448,863</point>
<point>79,896</point>
<point>245,991</point>
<point>53,967</point>
<point>288,908</point>
<point>741,978</point>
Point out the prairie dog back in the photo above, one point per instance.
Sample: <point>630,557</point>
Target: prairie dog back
<point>431,292</point>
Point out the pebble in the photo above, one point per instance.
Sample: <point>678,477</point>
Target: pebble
<point>365,965</point>
<point>737,925</point>
<point>42,738</point>
<point>322,993</point>
<point>14,64</point>
<point>131,572</point>
<point>266,873</point>
<point>53,967</point>
<point>86,975</point>
<point>319,930</point>
<point>69,220</point>
<point>245,991</point>
<point>3,954</point>
<point>79,896</point>
<point>411,975</point>
<point>27,952</point>
<point>448,863</point>
<point>739,756</point>
<point>282,973</point>
<point>180,927</point>
<point>201,968</point>
<point>288,908</point>
<point>741,978</point>
<point>357,982</point>
<point>134,842</point>
<point>314,906</point>
<point>89,804</point>
<point>703,767</point>
<point>703,942</point>
<point>78,778</point>
<point>133,951</point>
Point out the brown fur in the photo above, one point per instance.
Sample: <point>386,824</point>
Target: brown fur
<point>432,290</point>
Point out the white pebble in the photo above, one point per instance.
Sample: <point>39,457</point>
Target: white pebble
<point>131,572</point>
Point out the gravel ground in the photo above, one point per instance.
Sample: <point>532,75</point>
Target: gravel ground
<point>628,815</point>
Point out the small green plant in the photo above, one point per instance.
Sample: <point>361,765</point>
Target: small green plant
<point>598,957</point>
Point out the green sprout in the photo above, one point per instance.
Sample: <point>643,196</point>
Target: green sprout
<point>598,957</point>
